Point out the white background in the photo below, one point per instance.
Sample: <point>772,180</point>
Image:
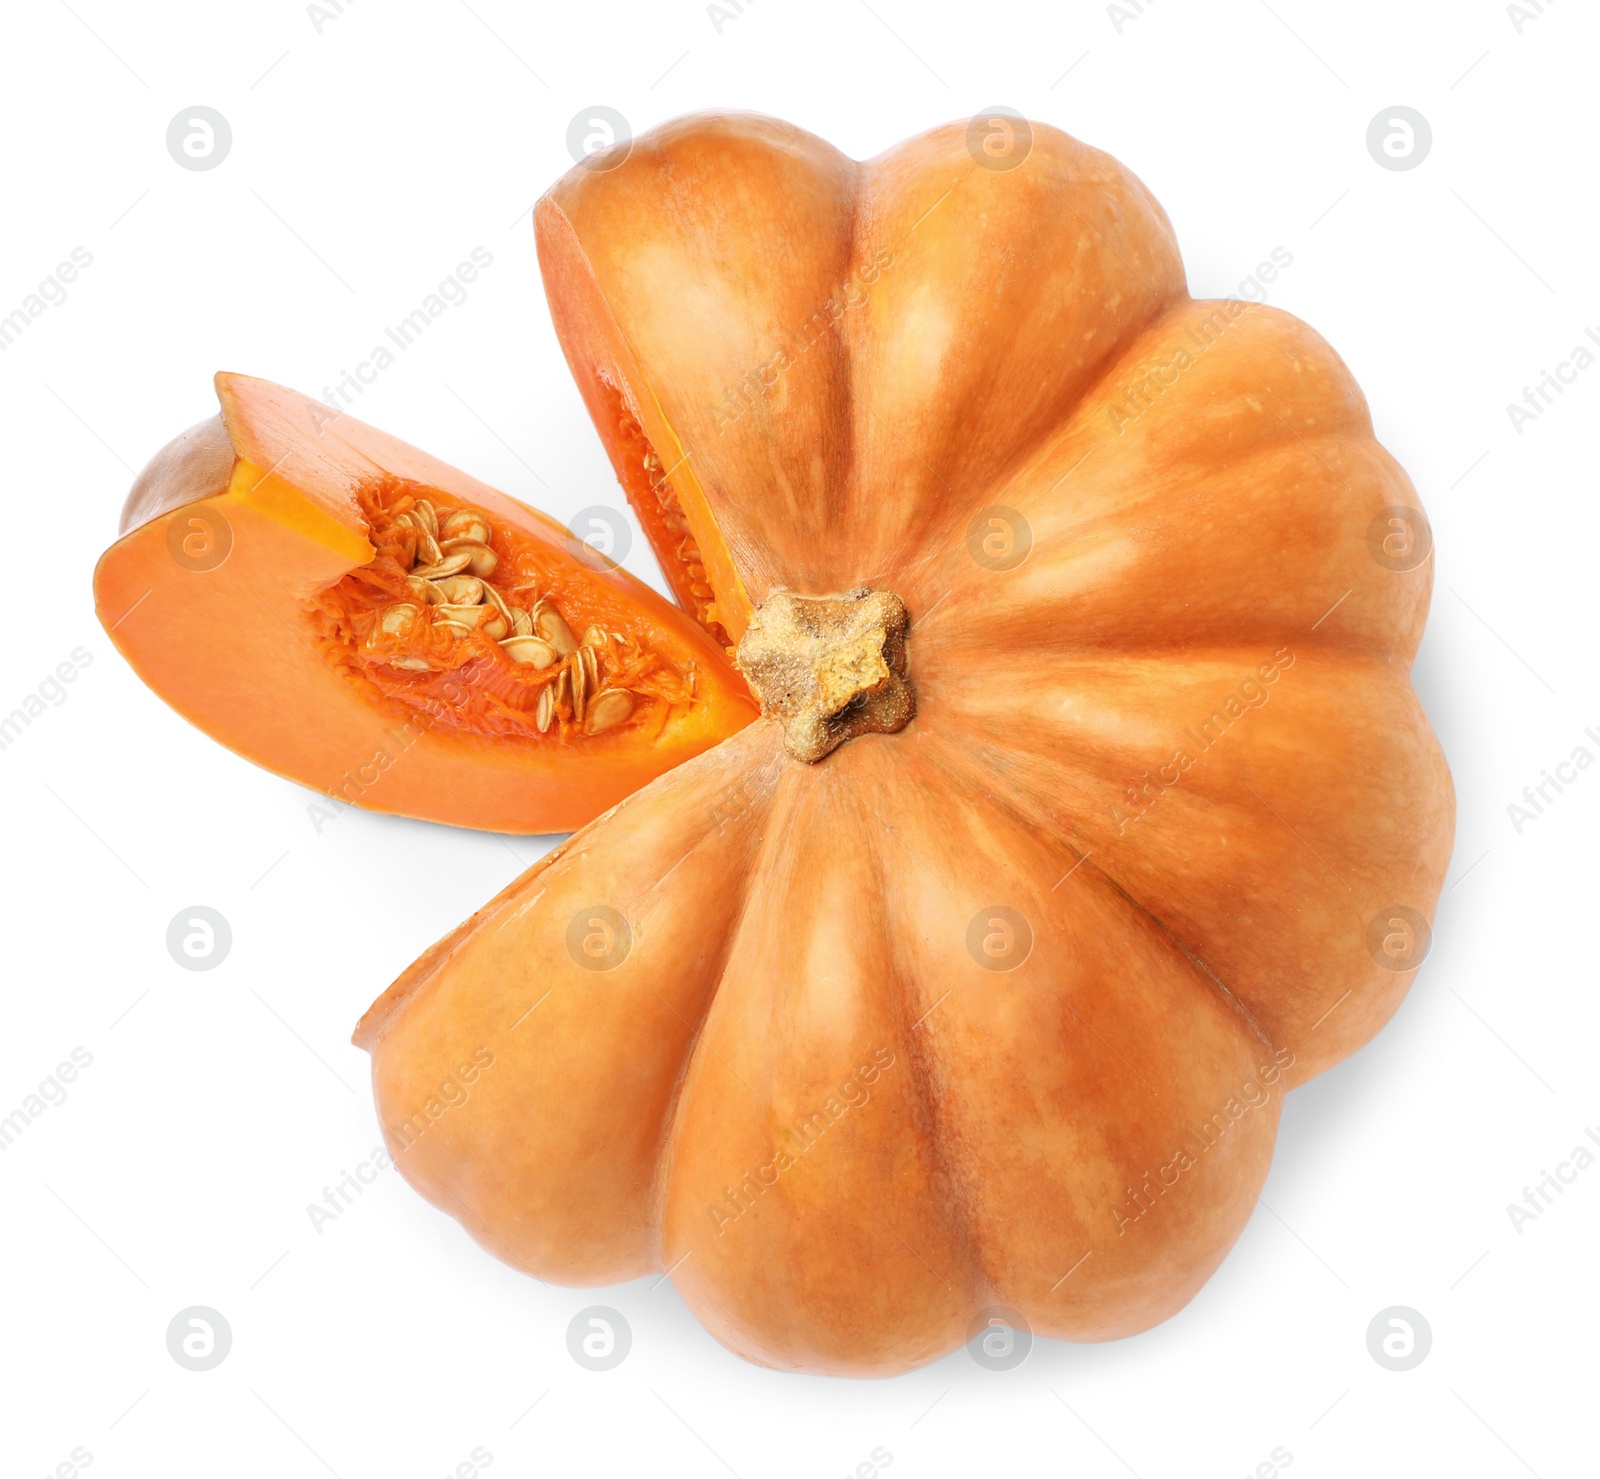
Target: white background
<point>367,160</point>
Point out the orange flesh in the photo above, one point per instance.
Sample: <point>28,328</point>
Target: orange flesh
<point>420,663</point>
<point>648,483</point>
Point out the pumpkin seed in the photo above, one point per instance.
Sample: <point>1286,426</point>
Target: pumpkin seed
<point>552,626</point>
<point>521,622</point>
<point>448,565</point>
<point>481,618</point>
<point>466,523</point>
<point>610,707</point>
<point>590,659</point>
<point>493,596</point>
<point>593,636</point>
<point>481,560</point>
<point>580,684</point>
<point>423,592</point>
<point>468,616</point>
<point>398,619</point>
<point>426,520</point>
<point>453,628</point>
<point>545,710</point>
<point>409,664</point>
<point>461,590</point>
<point>533,651</point>
<point>427,548</point>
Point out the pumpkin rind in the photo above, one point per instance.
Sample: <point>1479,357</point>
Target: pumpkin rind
<point>1078,1138</point>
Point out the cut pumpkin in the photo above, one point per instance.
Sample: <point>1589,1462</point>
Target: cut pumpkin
<point>364,619</point>
<point>1095,808</point>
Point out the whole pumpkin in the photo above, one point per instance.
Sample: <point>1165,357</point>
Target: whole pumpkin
<point>1096,809</point>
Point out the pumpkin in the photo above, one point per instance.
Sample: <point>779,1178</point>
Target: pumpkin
<point>364,619</point>
<point>1091,808</point>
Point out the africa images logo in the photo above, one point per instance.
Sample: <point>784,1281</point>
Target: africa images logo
<point>851,1094</point>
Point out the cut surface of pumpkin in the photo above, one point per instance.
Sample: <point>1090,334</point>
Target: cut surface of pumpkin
<point>1091,808</point>
<point>362,618</point>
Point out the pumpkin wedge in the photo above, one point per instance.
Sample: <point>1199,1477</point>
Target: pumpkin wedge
<point>364,619</point>
<point>1091,808</point>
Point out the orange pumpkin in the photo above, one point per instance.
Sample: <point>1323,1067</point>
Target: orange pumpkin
<point>364,619</point>
<point>1096,809</point>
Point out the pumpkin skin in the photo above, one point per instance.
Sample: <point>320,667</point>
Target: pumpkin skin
<point>231,648</point>
<point>803,1087</point>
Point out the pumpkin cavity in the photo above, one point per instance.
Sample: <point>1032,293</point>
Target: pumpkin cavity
<point>648,483</point>
<point>455,619</point>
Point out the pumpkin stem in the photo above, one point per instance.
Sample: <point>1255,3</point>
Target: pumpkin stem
<point>827,668</point>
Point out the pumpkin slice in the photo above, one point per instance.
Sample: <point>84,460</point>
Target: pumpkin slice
<point>355,615</point>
